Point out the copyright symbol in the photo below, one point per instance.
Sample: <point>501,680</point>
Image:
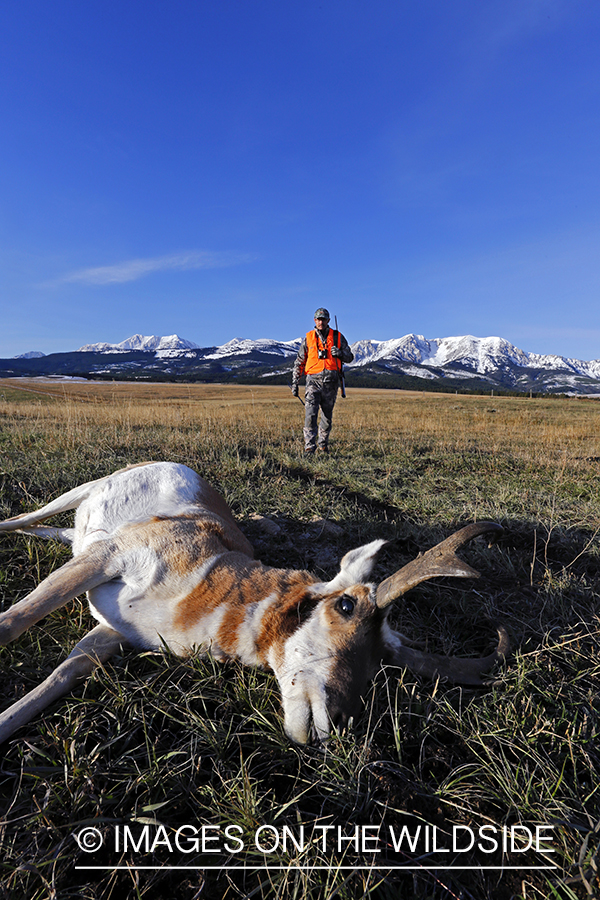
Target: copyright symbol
<point>89,839</point>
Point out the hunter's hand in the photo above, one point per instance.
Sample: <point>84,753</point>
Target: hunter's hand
<point>336,352</point>
<point>295,390</point>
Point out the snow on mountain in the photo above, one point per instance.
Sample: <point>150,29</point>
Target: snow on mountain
<point>481,355</point>
<point>141,342</point>
<point>263,345</point>
<point>412,348</point>
<point>33,354</point>
<point>561,363</point>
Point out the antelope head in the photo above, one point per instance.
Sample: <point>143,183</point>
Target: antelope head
<point>324,667</point>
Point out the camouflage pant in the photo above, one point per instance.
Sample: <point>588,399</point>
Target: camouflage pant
<point>319,393</point>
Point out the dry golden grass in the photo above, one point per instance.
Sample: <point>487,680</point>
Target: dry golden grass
<point>508,446</point>
<point>526,426</point>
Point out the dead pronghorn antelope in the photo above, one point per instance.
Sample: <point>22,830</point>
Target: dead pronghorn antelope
<point>164,563</point>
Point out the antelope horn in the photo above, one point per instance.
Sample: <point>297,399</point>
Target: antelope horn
<point>441,560</point>
<point>455,669</point>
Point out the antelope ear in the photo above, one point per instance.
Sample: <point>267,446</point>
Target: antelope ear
<point>356,566</point>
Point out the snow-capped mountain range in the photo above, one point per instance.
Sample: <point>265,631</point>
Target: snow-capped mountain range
<point>481,355</point>
<point>410,361</point>
<point>140,342</point>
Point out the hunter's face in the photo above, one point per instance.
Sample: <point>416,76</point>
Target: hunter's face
<point>321,323</point>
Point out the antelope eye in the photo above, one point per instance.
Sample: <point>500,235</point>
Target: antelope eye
<point>346,605</point>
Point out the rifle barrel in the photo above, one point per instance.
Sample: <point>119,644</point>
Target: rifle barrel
<point>342,378</point>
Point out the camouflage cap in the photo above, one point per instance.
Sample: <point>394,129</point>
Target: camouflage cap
<point>322,313</point>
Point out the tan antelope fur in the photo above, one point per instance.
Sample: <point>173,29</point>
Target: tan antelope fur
<point>164,563</point>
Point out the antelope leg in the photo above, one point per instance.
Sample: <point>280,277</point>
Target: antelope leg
<point>74,578</point>
<point>65,535</point>
<point>95,648</point>
<point>71,500</point>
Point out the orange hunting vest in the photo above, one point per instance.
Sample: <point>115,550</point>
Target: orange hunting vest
<point>313,364</point>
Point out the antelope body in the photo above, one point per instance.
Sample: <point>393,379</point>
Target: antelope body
<point>164,563</point>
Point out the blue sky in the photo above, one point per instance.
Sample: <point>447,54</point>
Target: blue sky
<point>220,168</point>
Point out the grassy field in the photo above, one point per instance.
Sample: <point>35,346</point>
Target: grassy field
<point>153,748</point>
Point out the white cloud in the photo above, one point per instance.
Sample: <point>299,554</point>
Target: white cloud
<point>132,269</point>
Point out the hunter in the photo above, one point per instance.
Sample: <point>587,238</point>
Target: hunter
<point>320,357</point>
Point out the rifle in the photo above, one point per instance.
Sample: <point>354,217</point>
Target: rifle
<point>299,397</point>
<point>342,376</point>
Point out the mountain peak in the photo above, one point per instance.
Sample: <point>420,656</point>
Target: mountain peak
<point>142,342</point>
